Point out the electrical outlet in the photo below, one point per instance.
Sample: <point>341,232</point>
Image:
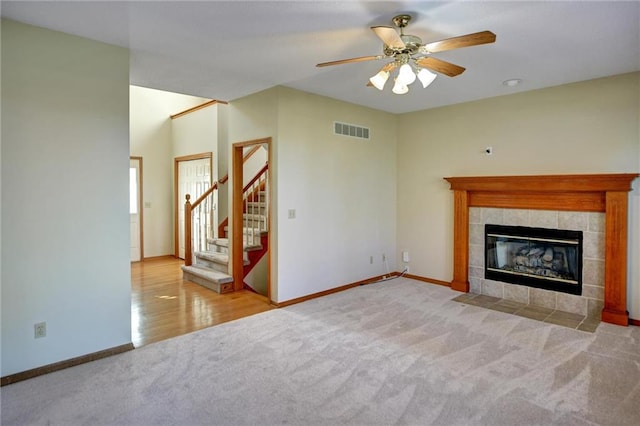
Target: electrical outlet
<point>384,257</point>
<point>405,256</point>
<point>406,268</point>
<point>292,213</point>
<point>371,260</point>
<point>40,330</point>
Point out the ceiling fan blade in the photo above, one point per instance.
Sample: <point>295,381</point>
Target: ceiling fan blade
<point>474,39</point>
<point>350,60</point>
<point>443,67</point>
<point>389,67</point>
<point>389,37</point>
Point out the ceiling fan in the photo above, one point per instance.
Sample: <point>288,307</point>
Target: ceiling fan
<point>412,57</point>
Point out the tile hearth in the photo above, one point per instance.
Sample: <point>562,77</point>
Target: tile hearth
<point>565,319</point>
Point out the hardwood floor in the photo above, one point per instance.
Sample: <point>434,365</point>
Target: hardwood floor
<point>165,306</point>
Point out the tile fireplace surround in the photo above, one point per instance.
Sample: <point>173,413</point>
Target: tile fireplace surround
<point>590,303</point>
<point>604,193</point>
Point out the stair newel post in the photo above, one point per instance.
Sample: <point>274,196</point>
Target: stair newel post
<point>187,232</point>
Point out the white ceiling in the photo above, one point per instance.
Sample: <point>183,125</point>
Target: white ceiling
<point>228,49</point>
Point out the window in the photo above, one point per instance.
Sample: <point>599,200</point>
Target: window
<point>133,190</point>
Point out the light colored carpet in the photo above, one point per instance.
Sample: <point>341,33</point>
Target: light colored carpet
<point>397,352</point>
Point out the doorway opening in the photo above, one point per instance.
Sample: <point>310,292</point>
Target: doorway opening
<point>237,212</point>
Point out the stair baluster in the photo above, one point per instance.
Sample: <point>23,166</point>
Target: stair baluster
<point>198,223</point>
<point>254,222</point>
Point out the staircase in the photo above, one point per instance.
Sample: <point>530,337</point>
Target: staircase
<point>210,265</point>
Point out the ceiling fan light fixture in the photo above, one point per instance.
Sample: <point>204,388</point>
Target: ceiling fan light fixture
<point>379,79</point>
<point>406,75</point>
<point>426,77</point>
<point>399,88</point>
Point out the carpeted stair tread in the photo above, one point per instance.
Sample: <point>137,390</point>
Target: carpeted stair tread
<point>249,231</point>
<point>224,242</point>
<point>221,258</point>
<point>215,257</point>
<point>208,274</point>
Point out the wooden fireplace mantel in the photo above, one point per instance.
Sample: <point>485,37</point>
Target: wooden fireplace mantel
<point>606,193</point>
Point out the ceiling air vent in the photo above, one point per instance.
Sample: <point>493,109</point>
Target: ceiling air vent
<point>350,130</point>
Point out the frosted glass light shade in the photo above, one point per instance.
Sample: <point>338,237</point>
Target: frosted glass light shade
<point>399,88</point>
<point>379,79</point>
<point>406,75</point>
<point>426,77</point>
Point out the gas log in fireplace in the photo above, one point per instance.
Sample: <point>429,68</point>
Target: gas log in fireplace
<point>536,257</point>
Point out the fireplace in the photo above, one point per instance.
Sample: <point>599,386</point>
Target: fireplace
<point>550,259</point>
<point>606,193</point>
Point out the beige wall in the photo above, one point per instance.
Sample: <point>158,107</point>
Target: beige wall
<point>343,189</point>
<point>65,225</point>
<point>253,164</point>
<point>150,131</point>
<point>222,160</point>
<point>196,132</point>
<point>587,127</point>
<point>255,117</point>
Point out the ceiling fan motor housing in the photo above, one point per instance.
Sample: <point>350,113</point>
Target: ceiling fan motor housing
<point>411,42</point>
<point>412,45</point>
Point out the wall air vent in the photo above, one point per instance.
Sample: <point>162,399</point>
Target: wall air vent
<point>350,130</point>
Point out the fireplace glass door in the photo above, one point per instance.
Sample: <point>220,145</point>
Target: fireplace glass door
<point>535,257</point>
